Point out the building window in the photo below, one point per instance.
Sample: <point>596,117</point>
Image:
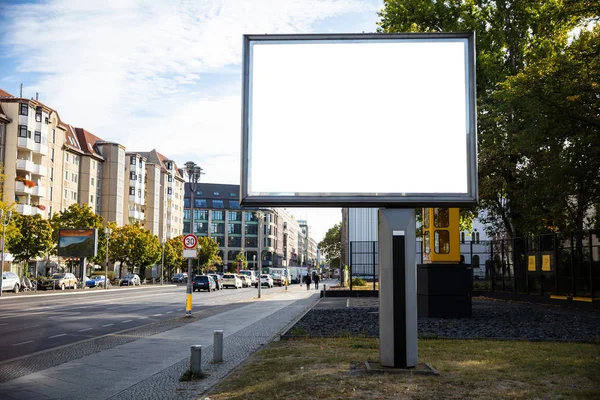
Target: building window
<point>73,178</point>
<point>140,164</point>
<point>232,195</point>
<point>93,164</point>
<point>218,216</point>
<point>233,204</point>
<point>220,240</point>
<point>201,227</point>
<point>51,192</point>
<point>66,194</point>
<point>200,215</point>
<point>132,176</point>
<point>169,165</point>
<point>52,154</point>
<point>186,213</point>
<point>66,175</point>
<point>38,115</point>
<point>170,178</point>
<point>74,196</point>
<point>92,181</point>
<point>131,191</point>
<point>53,135</point>
<point>24,109</point>
<point>234,215</point>
<point>169,190</point>
<point>235,229</point>
<point>37,137</point>
<point>140,178</point>
<point>140,193</point>
<point>66,157</point>
<point>234,241</point>
<point>200,203</point>
<point>186,202</point>
<point>51,173</point>
<point>132,160</point>
<point>218,204</point>
<point>217,228</point>
<point>199,193</point>
<point>76,160</point>
<point>46,120</point>
<point>23,131</point>
<point>216,194</point>
<point>92,198</point>
<point>251,229</point>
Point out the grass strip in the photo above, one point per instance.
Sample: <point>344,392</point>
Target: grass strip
<point>333,368</point>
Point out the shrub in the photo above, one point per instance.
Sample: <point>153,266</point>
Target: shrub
<point>358,282</point>
<point>29,183</point>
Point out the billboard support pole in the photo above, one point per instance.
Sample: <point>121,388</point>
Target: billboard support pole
<point>82,262</point>
<point>397,288</point>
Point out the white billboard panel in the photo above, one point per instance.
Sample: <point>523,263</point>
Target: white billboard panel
<point>372,119</point>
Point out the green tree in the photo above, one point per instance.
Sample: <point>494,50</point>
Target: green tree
<point>79,217</point>
<point>122,244</point>
<point>241,257</point>
<point>208,254</point>
<point>331,245</point>
<point>32,238</point>
<point>174,253</point>
<point>134,246</point>
<point>510,35</point>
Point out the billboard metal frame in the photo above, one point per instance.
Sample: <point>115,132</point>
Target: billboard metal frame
<point>389,200</point>
<point>86,233</point>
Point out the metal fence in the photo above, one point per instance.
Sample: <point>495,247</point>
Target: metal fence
<point>564,264</point>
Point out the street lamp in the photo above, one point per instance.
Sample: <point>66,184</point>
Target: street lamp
<point>5,220</point>
<point>162,265</point>
<point>108,232</point>
<point>193,172</point>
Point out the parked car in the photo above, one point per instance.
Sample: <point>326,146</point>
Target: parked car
<point>96,281</point>
<point>59,281</point>
<point>181,277</point>
<point>232,280</point>
<point>250,273</point>
<point>218,281</point>
<point>278,280</point>
<point>246,280</point>
<point>132,279</point>
<point>203,282</point>
<point>10,281</point>
<point>266,280</point>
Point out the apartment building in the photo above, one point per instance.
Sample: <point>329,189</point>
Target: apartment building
<point>50,165</point>
<point>164,195</point>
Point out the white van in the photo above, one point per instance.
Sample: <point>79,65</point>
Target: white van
<point>251,274</point>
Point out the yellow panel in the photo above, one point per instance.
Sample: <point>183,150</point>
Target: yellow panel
<point>449,250</point>
<point>546,262</point>
<point>531,264</point>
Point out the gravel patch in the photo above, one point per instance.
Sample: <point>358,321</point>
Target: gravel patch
<point>492,319</point>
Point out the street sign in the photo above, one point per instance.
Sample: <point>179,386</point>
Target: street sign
<point>190,241</point>
<point>189,253</point>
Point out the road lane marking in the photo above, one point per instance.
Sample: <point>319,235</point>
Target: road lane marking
<point>129,320</point>
<point>169,312</point>
<point>18,344</point>
<point>86,329</point>
<point>181,309</point>
<point>64,315</point>
<point>157,315</point>
<point>55,336</point>
<point>143,318</point>
<point>104,326</point>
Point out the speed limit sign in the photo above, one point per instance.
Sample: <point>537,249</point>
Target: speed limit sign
<point>190,241</point>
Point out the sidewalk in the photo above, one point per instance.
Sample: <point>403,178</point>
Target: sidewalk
<point>150,368</point>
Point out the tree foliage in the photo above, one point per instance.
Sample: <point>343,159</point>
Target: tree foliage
<point>331,245</point>
<point>32,237</point>
<point>208,254</point>
<point>513,39</point>
<point>174,252</point>
<point>134,246</point>
<point>79,217</point>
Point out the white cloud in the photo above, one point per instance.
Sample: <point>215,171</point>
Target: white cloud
<point>141,72</point>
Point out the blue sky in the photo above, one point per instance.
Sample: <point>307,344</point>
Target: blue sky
<point>159,74</point>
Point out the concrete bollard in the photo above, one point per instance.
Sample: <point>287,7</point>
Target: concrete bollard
<point>324,290</point>
<point>196,359</point>
<point>218,347</point>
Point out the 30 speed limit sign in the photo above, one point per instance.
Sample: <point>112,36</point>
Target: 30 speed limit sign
<point>190,241</point>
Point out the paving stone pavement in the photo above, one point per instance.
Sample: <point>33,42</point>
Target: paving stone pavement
<point>150,368</point>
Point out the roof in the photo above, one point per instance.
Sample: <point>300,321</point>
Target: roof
<point>215,196</point>
<point>3,117</point>
<point>71,140</point>
<point>87,141</point>
<point>5,94</point>
<point>154,157</point>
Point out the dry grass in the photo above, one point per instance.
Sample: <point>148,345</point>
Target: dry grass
<point>332,369</point>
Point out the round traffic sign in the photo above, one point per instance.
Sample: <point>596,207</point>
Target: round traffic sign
<point>190,241</point>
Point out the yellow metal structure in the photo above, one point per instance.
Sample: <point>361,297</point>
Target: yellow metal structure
<point>441,242</point>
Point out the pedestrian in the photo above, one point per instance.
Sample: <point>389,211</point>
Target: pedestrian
<point>308,281</point>
<point>317,281</point>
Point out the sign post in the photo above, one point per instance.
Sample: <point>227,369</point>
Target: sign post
<point>190,242</point>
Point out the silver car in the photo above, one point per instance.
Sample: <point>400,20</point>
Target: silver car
<point>10,281</point>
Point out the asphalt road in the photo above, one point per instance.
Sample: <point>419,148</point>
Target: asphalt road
<point>29,324</point>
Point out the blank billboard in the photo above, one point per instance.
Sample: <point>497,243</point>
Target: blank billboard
<point>359,120</point>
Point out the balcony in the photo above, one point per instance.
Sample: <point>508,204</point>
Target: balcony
<point>30,144</point>
<point>26,209</point>
<point>20,188</point>
<point>138,215</point>
<point>30,166</point>
<point>38,191</point>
